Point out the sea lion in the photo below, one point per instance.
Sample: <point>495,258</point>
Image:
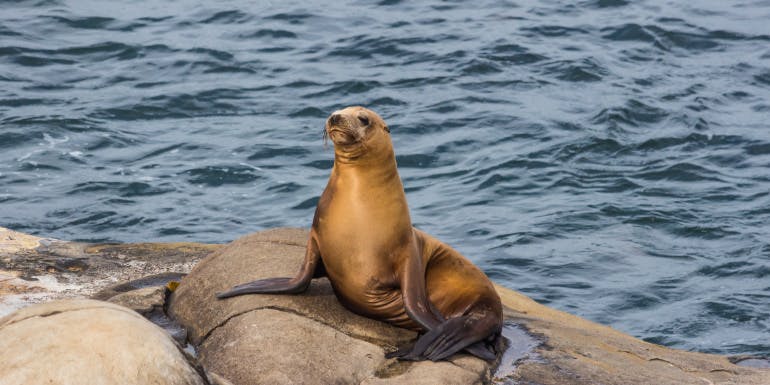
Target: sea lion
<point>381,267</point>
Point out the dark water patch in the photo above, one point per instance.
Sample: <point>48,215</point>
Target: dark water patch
<point>159,151</point>
<point>364,47</point>
<point>763,78</point>
<point>679,39</point>
<point>480,67</point>
<point>598,146</point>
<point>703,232</point>
<point>634,113</point>
<point>94,220</point>
<point>513,54</point>
<point>216,176</point>
<point>608,3</point>
<point>122,189</point>
<point>166,231</point>
<point>213,53</point>
<point>553,31</point>
<point>276,152</point>
<point>310,112</point>
<point>418,160</point>
<point>306,204</point>
<point>485,86</point>
<point>268,33</point>
<point>584,70</point>
<point>325,164</point>
<point>627,32</point>
<point>758,149</point>
<point>412,82</point>
<point>682,172</point>
<point>637,300</point>
<point>737,268</point>
<point>291,18</point>
<point>692,142</point>
<point>92,22</point>
<point>227,17</point>
<point>38,61</point>
<point>13,139</point>
<point>285,187</point>
<point>727,310</point>
<point>206,103</point>
<point>5,31</point>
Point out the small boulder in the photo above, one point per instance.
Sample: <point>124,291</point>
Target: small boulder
<point>88,342</point>
<point>142,301</point>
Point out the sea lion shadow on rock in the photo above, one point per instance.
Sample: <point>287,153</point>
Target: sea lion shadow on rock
<point>381,267</point>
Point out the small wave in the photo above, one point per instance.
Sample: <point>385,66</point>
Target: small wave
<point>583,70</point>
<point>553,31</point>
<point>633,114</point>
<point>227,17</point>
<point>269,34</point>
<point>683,172</point>
<point>122,189</point>
<point>267,152</point>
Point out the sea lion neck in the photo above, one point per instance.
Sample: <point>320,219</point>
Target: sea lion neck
<point>379,163</point>
<point>377,152</point>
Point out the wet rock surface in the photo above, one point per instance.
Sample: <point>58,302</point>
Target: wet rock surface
<point>88,342</point>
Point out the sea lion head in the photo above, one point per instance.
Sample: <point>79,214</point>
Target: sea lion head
<point>355,127</point>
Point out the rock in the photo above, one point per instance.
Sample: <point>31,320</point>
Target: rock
<point>88,342</point>
<point>142,301</point>
<point>266,338</point>
<point>272,253</point>
<point>577,351</point>
<point>277,347</point>
<point>270,339</point>
<point>429,373</point>
<point>162,280</point>
<point>34,269</point>
<point>299,339</point>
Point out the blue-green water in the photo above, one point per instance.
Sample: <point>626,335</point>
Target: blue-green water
<point>609,158</point>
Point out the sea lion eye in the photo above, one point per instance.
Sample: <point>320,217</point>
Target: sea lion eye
<point>364,120</point>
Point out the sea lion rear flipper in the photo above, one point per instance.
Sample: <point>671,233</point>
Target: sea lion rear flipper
<point>452,336</point>
<point>311,268</point>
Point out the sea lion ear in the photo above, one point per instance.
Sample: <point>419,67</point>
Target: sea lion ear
<point>387,129</point>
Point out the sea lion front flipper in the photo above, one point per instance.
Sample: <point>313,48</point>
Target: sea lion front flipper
<point>312,267</point>
<point>416,302</point>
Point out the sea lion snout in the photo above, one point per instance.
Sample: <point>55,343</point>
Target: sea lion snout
<point>335,119</point>
<point>343,129</point>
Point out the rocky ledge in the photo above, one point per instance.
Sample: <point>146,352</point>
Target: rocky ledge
<point>310,338</point>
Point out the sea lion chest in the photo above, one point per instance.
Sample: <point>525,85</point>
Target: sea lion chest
<point>363,235</point>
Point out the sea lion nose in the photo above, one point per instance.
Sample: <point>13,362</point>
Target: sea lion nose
<point>335,119</point>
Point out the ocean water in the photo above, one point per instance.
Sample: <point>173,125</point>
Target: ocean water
<point>609,158</point>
